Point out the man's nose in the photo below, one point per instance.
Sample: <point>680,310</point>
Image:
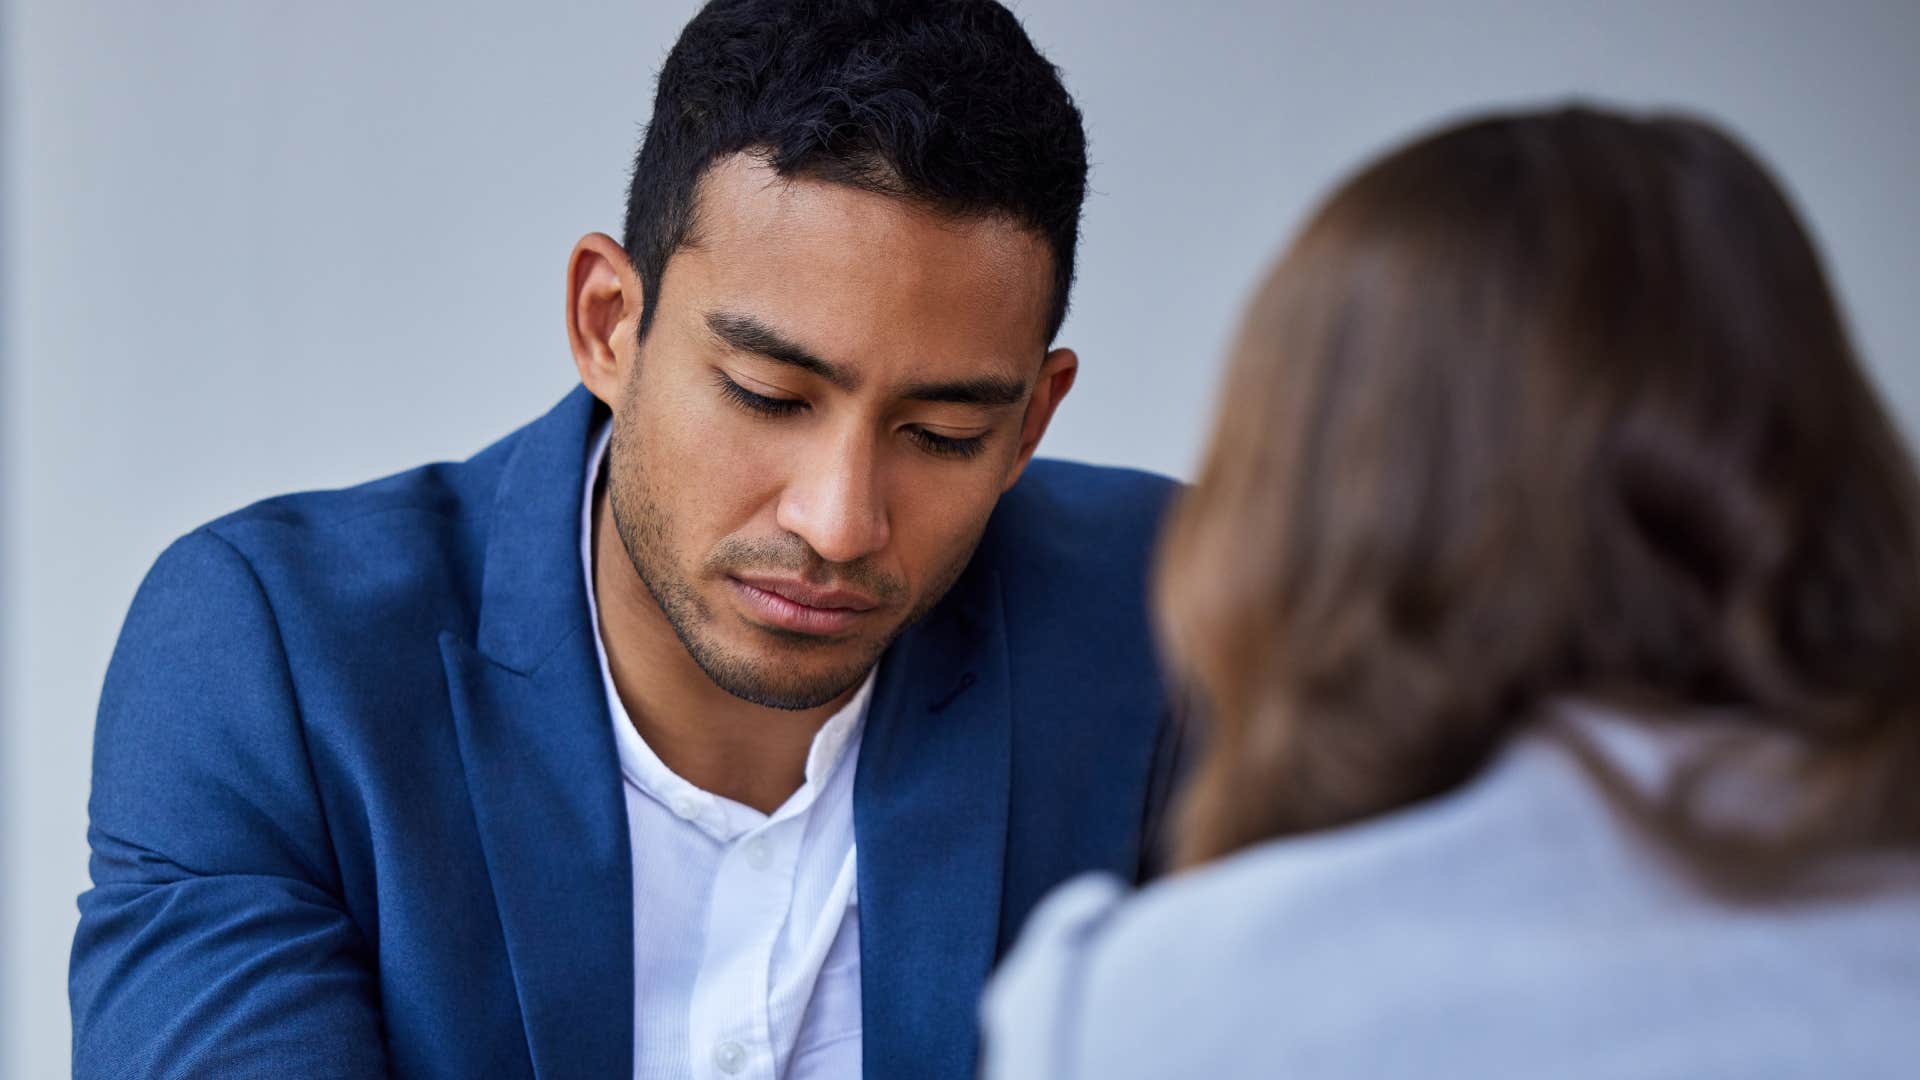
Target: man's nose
<point>833,500</point>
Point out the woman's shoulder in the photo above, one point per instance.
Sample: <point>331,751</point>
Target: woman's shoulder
<point>1519,915</point>
<point>1109,982</point>
<point>1030,1007</point>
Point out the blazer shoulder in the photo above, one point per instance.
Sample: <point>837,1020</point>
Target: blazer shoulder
<point>1066,520</point>
<point>341,568</point>
<point>1069,492</point>
<point>440,495</point>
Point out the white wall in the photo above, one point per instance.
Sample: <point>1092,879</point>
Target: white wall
<point>252,247</point>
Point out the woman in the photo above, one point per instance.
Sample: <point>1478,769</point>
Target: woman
<point>1553,589</point>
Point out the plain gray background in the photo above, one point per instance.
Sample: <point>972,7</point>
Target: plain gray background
<point>253,247</point>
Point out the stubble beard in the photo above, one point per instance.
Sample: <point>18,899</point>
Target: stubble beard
<point>643,527</point>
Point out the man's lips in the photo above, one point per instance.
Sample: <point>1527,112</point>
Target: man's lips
<point>802,607</point>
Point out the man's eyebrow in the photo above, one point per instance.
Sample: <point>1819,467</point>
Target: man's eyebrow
<point>988,390</point>
<point>748,334</point>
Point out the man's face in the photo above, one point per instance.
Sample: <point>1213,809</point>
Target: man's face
<point>829,401</point>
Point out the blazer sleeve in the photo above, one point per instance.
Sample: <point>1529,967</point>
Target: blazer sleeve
<point>213,941</point>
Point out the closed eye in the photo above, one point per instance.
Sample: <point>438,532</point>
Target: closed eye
<point>758,404</point>
<point>946,445</point>
<point>772,407</point>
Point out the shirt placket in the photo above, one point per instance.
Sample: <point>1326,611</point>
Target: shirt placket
<point>752,894</point>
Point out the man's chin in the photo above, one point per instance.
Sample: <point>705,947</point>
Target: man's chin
<point>780,678</point>
<point>786,695</point>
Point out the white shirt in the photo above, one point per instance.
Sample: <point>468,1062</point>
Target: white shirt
<point>746,927</point>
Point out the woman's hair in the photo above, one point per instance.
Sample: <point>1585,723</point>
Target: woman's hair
<point>1545,405</point>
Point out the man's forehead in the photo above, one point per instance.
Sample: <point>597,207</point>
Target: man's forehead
<point>862,275</point>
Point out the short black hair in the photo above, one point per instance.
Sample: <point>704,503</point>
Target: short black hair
<point>941,102</point>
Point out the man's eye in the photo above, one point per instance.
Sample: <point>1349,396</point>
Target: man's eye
<point>946,446</point>
<point>759,404</point>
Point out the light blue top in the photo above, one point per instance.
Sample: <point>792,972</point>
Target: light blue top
<point>1518,927</point>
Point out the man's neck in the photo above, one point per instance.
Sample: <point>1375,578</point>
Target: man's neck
<point>745,752</point>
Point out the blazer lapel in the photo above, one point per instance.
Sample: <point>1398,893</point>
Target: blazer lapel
<point>536,742</point>
<point>930,817</point>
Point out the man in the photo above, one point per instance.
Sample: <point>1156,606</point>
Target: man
<point>726,721</point>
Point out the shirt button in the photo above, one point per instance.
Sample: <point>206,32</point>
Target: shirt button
<point>759,855</point>
<point>686,808</point>
<point>730,1056</point>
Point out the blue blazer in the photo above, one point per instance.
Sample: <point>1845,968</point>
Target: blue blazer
<point>356,808</point>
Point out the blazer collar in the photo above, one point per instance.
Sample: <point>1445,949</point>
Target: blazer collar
<point>537,744</point>
<point>533,594</point>
<point>930,816</point>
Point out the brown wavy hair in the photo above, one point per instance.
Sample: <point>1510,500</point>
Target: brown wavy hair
<point>1541,406</point>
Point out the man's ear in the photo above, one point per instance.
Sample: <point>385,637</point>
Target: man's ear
<point>603,314</point>
<point>1056,378</point>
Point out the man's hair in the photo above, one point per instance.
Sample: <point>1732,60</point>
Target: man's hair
<point>943,103</point>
